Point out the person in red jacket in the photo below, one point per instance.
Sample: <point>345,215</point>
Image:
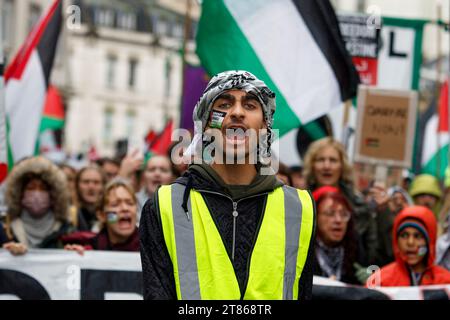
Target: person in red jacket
<point>414,246</point>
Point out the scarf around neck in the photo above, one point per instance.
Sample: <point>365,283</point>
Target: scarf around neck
<point>36,230</point>
<point>330,259</point>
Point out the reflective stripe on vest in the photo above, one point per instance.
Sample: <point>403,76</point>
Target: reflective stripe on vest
<point>201,265</point>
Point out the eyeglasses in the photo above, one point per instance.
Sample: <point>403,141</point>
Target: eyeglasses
<point>344,215</point>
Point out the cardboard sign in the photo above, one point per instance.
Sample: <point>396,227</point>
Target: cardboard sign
<point>386,123</point>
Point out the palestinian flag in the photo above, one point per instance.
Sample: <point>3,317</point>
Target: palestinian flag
<point>149,138</point>
<point>437,138</point>
<point>159,144</point>
<point>27,83</point>
<point>54,114</point>
<point>295,46</point>
<point>162,142</point>
<point>52,122</point>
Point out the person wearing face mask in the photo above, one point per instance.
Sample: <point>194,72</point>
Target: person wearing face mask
<point>37,201</point>
<point>117,214</point>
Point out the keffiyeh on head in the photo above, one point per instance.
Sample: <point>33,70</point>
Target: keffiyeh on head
<point>229,80</point>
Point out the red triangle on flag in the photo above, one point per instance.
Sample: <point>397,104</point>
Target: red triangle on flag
<point>162,143</point>
<point>150,137</point>
<point>54,106</point>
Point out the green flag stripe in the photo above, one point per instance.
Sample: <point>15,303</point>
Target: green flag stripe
<point>10,154</point>
<point>431,166</point>
<point>50,123</point>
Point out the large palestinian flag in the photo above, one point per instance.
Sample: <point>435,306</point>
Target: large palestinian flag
<point>27,82</point>
<point>435,148</point>
<point>295,46</point>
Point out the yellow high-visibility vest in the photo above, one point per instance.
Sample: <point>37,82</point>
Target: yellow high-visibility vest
<point>201,265</point>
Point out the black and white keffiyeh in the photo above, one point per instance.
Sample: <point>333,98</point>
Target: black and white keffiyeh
<point>222,82</point>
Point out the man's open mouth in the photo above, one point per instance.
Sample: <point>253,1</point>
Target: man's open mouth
<point>235,134</point>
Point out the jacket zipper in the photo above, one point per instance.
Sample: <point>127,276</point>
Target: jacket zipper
<point>235,215</point>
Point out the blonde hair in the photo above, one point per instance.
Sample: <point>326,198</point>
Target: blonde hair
<point>315,148</point>
<point>111,186</point>
<point>114,184</point>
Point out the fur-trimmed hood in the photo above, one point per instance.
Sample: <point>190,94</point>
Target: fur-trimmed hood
<point>50,174</point>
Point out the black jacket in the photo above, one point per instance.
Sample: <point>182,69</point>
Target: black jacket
<point>3,237</point>
<point>365,223</point>
<point>159,282</point>
<point>86,219</point>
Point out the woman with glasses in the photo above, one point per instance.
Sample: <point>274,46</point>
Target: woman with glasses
<point>337,247</point>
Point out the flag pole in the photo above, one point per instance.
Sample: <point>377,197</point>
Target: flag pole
<point>3,137</point>
<point>345,121</point>
<point>448,101</point>
<point>438,84</point>
<point>4,167</point>
<point>187,31</point>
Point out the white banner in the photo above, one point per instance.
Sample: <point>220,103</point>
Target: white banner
<point>102,275</point>
<point>326,289</point>
<point>65,275</point>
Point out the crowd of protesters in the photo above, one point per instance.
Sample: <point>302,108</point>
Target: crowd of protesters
<point>405,232</point>
<point>96,207</point>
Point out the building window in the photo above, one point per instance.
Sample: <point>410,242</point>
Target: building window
<point>170,27</point>
<point>126,20</point>
<point>111,65</point>
<point>162,26</point>
<point>153,22</point>
<point>108,126</point>
<point>7,22</point>
<point>132,66</point>
<point>35,15</point>
<point>194,26</point>
<point>178,30</point>
<point>130,122</point>
<point>104,17</point>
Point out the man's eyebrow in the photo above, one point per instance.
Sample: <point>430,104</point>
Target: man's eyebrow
<point>226,96</point>
<point>250,96</point>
